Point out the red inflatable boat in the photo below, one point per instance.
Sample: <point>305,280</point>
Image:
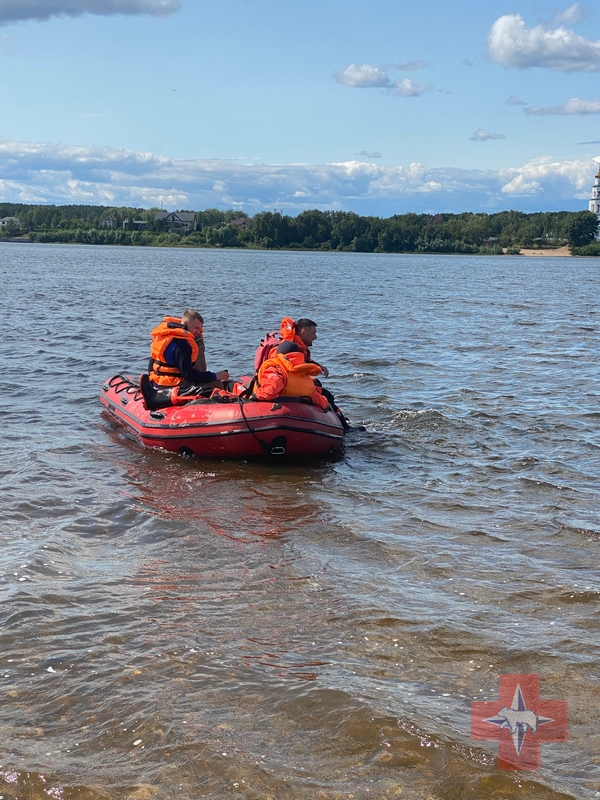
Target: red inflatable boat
<point>238,429</point>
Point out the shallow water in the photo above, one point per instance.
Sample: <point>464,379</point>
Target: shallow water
<point>178,628</point>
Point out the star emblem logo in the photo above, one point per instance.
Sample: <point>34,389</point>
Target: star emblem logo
<point>519,721</point>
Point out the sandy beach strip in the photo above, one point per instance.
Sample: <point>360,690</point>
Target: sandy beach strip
<point>558,251</point>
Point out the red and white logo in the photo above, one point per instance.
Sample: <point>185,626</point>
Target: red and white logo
<point>519,721</point>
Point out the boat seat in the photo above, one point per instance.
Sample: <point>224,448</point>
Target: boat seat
<point>154,398</point>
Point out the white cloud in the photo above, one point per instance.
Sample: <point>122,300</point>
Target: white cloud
<point>365,76</point>
<point>521,186</point>
<point>511,44</point>
<point>411,66</point>
<point>571,106</point>
<point>369,153</point>
<point>406,87</point>
<point>51,173</point>
<point>515,100</point>
<point>482,135</point>
<point>544,175</point>
<point>571,15</point>
<point>18,10</point>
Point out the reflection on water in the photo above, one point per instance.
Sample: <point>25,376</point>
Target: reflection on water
<point>179,628</point>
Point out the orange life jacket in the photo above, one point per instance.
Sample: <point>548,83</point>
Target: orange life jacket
<point>162,373</point>
<point>298,381</point>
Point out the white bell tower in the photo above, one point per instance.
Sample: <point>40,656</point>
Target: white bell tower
<point>594,204</point>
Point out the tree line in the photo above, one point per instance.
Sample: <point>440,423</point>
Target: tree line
<point>494,234</point>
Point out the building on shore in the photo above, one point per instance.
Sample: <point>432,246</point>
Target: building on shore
<point>178,221</point>
<point>240,223</point>
<point>594,204</point>
<point>5,221</point>
<point>109,221</point>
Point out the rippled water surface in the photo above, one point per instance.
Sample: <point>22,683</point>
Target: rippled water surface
<point>175,628</point>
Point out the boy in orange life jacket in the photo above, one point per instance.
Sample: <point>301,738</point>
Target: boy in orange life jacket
<point>176,355</point>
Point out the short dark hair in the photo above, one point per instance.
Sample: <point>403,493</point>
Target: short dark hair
<point>305,323</point>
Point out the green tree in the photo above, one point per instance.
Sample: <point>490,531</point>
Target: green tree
<point>8,230</point>
<point>210,217</point>
<point>581,228</point>
<point>313,228</point>
<point>221,236</point>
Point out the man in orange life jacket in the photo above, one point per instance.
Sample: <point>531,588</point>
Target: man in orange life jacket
<point>297,338</point>
<point>177,352</point>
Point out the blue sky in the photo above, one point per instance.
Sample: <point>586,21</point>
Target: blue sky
<point>381,107</point>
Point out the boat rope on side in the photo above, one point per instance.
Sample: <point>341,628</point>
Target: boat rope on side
<point>272,449</point>
<point>121,383</point>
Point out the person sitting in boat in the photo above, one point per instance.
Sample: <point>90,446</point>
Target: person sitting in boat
<point>293,337</point>
<point>297,337</point>
<point>289,376</point>
<point>176,358</point>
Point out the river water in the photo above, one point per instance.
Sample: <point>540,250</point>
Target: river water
<point>179,628</point>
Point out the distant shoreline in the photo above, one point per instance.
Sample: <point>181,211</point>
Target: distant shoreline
<point>562,252</point>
